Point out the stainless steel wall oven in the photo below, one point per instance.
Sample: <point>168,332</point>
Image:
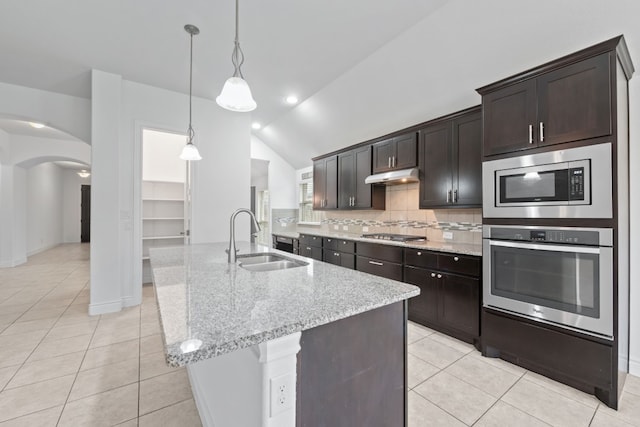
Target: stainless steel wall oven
<point>560,275</point>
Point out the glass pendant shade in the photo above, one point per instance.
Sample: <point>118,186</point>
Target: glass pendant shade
<point>190,152</point>
<point>236,96</point>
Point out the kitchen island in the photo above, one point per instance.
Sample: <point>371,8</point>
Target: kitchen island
<point>311,345</point>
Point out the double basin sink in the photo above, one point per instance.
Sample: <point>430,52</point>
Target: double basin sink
<point>268,261</point>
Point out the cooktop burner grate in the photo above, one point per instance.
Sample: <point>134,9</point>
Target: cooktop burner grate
<point>395,237</point>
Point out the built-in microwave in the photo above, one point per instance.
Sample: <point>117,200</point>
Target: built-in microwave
<point>570,183</point>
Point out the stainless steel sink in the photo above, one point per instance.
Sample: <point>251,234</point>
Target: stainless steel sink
<point>268,261</point>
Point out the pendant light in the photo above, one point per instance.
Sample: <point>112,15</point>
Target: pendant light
<point>190,151</point>
<point>236,95</point>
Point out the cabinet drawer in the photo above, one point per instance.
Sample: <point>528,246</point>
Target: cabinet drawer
<point>339,258</point>
<point>346,246</point>
<point>390,270</point>
<point>459,264</point>
<point>420,258</point>
<point>310,240</point>
<point>310,251</point>
<point>379,252</point>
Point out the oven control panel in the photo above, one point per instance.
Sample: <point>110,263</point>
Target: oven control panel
<point>564,236</point>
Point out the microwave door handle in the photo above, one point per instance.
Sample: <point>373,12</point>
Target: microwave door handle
<point>545,247</point>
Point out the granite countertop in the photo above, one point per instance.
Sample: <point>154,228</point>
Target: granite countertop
<point>228,308</point>
<point>450,247</point>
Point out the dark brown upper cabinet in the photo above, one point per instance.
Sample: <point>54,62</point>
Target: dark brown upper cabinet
<point>566,100</point>
<point>450,158</point>
<point>325,183</point>
<point>353,167</point>
<point>396,153</point>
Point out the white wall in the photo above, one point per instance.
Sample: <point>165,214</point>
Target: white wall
<point>71,206</point>
<point>63,112</point>
<point>161,156</point>
<point>282,176</point>
<point>44,207</point>
<point>28,151</point>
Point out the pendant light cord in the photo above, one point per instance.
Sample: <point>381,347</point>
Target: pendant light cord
<point>237,57</point>
<point>191,133</point>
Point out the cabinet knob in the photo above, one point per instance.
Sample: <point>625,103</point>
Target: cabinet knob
<point>418,253</point>
<point>455,258</point>
<point>328,240</point>
<point>439,276</point>
<point>336,254</point>
<point>433,274</point>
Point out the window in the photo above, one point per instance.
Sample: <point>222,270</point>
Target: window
<point>306,214</point>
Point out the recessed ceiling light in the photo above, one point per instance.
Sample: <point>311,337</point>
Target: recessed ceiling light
<point>256,125</point>
<point>84,173</point>
<point>36,125</point>
<point>292,99</point>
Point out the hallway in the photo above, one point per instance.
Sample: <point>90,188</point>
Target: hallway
<point>61,367</point>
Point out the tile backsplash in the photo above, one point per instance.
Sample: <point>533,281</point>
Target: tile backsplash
<point>402,215</point>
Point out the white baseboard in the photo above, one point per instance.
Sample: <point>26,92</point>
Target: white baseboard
<point>105,307</point>
<point>131,301</point>
<point>634,367</point>
<point>12,262</point>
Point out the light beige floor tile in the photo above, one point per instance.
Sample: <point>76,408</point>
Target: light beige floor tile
<point>42,313</point>
<point>22,340</point>
<point>416,332</point>
<point>502,414</point>
<point>9,318</point>
<point>73,330</point>
<point>113,336</point>
<point>565,390</point>
<point>499,363</point>
<point>548,405</point>
<point>47,303</point>
<point>181,414</point>
<point>46,369</point>
<point>461,346</point>
<point>484,376</point>
<point>6,374</point>
<point>20,327</point>
<point>418,370</point>
<point>132,423</point>
<point>154,364</point>
<point>632,384</point>
<point>151,344</point>
<point>423,413</point>
<point>15,356</point>
<point>164,390</point>
<point>105,409</point>
<point>35,397</point>
<point>602,419</point>
<point>46,418</point>
<point>434,352</point>
<point>101,356</point>
<point>54,348</point>
<point>98,380</point>
<point>628,409</point>
<point>462,400</point>
<point>151,327</point>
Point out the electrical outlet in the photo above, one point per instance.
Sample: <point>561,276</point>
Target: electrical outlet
<point>283,393</point>
<point>365,229</point>
<point>336,227</point>
<point>345,228</point>
<point>447,235</point>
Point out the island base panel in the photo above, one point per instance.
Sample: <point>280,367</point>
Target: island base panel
<point>352,372</point>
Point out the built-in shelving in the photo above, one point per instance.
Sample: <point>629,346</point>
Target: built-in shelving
<point>162,218</point>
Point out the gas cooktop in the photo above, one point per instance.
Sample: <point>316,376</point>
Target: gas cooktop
<point>395,237</point>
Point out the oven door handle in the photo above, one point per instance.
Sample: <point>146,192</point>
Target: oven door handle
<point>554,248</point>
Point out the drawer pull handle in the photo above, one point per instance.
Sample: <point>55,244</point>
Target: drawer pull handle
<point>308,248</point>
<point>336,254</point>
<point>433,274</point>
<point>455,258</point>
<point>418,253</point>
<point>328,240</point>
<point>375,263</point>
<point>439,276</point>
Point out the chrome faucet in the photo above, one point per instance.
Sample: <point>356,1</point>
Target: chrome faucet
<point>232,232</point>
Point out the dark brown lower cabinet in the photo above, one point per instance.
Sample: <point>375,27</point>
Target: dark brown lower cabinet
<point>578,360</point>
<point>342,259</point>
<point>353,372</point>
<point>379,267</point>
<point>447,302</point>
<point>313,252</point>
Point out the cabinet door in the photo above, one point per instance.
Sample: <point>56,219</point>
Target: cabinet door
<point>467,161</point>
<point>362,191</point>
<point>424,307</point>
<point>383,151</point>
<point>435,165</point>
<point>331,188</point>
<point>319,183</point>
<point>574,102</point>
<point>406,151</point>
<point>508,115</point>
<point>459,303</point>
<point>346,179</point>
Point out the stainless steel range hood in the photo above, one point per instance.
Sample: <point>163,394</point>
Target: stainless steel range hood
<point>394,177</point>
